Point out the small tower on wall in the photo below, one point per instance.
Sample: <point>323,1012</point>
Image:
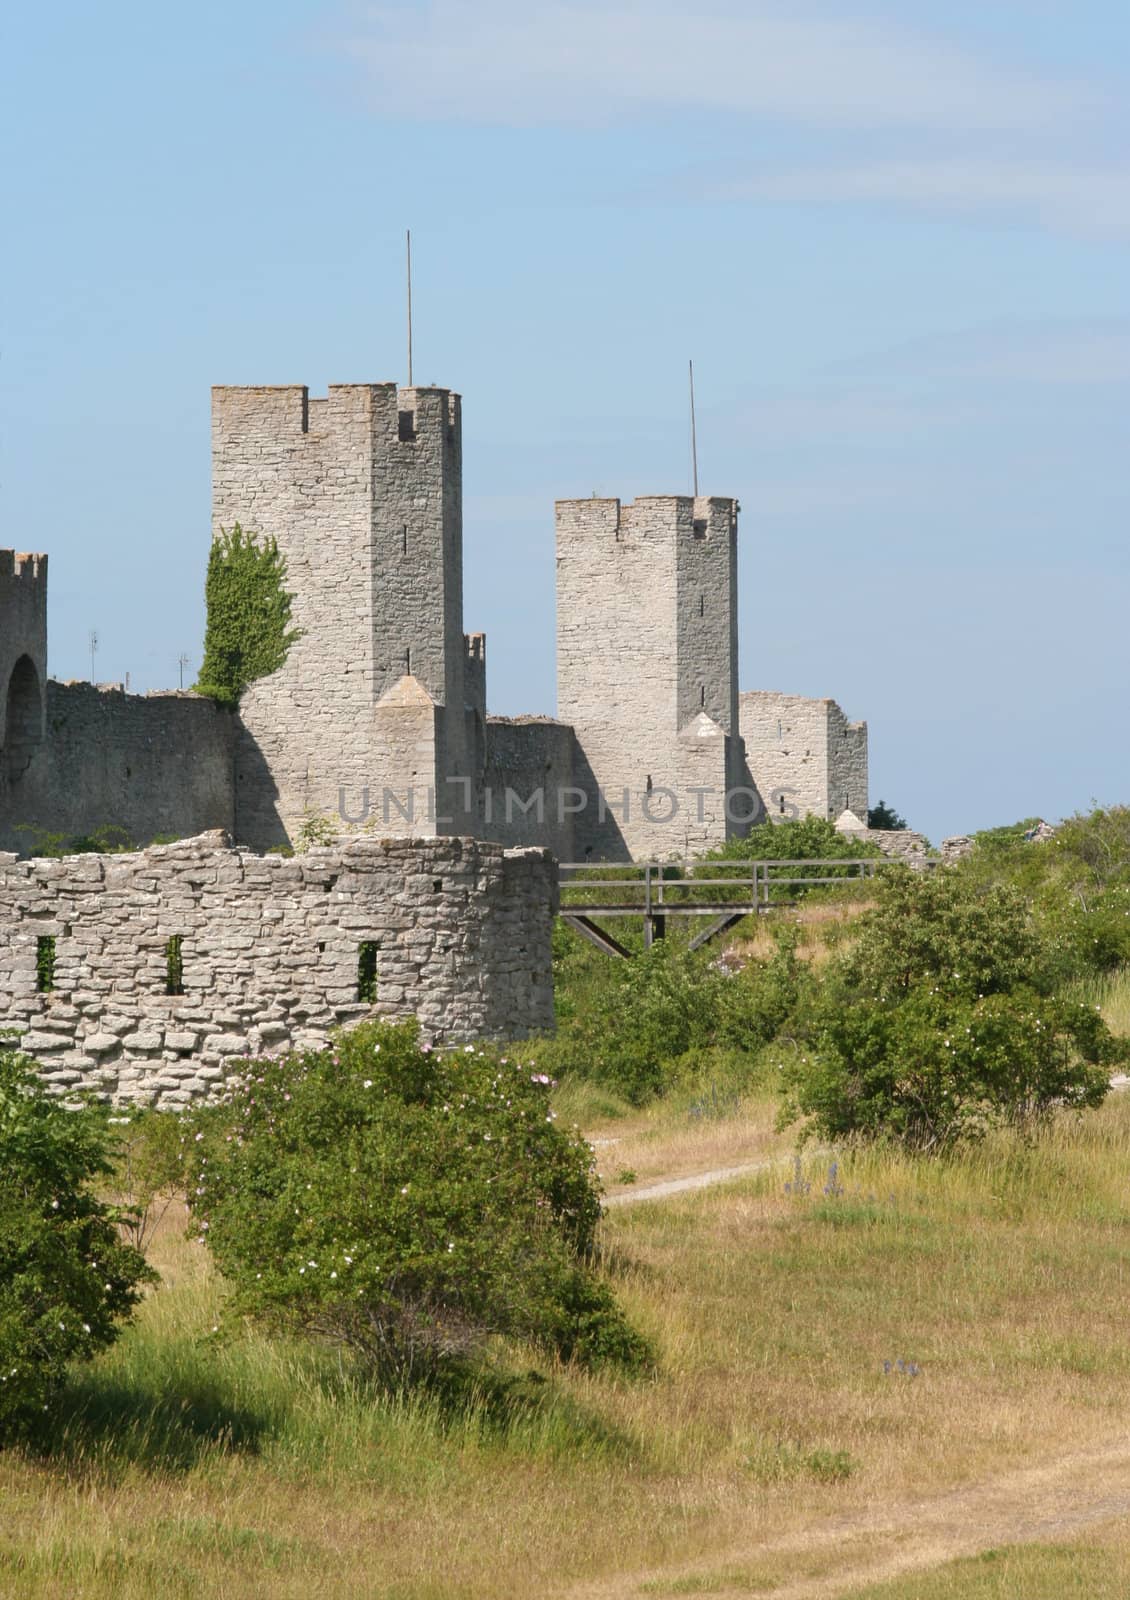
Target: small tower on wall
<point>23,664</point>
<point>363,492</point>
<point>647,673</point>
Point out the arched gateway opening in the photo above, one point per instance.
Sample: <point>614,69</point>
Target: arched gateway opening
<point>24,721</point>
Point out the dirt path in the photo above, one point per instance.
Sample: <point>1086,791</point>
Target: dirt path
<point>1050,1501</point>
<point>697,1180</point>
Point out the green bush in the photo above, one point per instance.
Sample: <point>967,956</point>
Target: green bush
<point>796,839</point>
<point>407,1203</point>
<point>636,1027</point>
<point>1077,882</point>
<point>943,1020</point>
<point>66,1278</point>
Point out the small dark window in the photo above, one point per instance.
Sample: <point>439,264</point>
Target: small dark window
<point>437,886</point>
<point>321,947</point>
<point>367,972</point>
<point>699,528</point>
<point>702,605</point>
<point>404,540</point>
<point>408,661</point>
<point>407,428</point>
<point>702,696</point>
<point>174,965</point>
<point>45,963</point>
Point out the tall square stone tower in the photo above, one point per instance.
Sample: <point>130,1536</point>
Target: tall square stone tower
<point>647,672</point>
<point>363,492</point>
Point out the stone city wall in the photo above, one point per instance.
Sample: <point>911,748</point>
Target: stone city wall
<point>270,953</point>
<point>150,765</point>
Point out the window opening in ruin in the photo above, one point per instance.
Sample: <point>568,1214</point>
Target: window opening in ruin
<point>45,963</point>
<point>367,972</point>
<point>699,529</point>
<point>437,885</point>
<point>408,661</point>
<point>407,426</point>
<point>321,947</point>
<point>174,965</point>
<point>404,540</point>
<point>702,695</point>
<point>702,605</point>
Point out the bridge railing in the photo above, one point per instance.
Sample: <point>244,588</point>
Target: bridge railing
<point>698,888</point>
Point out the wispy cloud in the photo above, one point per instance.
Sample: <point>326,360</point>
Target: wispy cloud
<point>1083,199</point>
<point>586,63</point>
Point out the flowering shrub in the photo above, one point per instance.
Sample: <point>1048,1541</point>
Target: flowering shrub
<point>407,1203</point>
<point>66,1278</point>
<point>944,1019</point>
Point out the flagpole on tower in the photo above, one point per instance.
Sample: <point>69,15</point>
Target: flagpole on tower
<point>410,308</point>
<point>694,436</point>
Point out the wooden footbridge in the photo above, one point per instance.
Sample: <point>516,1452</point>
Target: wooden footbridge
<point>721,893</point>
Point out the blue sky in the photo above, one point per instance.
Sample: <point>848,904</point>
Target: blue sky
<point>895,238</point>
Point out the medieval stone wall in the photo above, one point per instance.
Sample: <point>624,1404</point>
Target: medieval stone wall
<point>269,950</point>
<point>150,765</point>
<point>528,793</point>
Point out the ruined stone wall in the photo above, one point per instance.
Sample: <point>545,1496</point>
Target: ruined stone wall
<point>899,844</point>
<point>646,668</point>
<point>362,491</point>
<point>151,765</point>
<point>804,755</point>
<point>270,949</point>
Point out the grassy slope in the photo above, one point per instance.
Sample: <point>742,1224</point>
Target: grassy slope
<point>196,1465</point>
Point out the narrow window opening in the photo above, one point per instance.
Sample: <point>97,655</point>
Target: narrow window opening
<point>404,540</point>
<point>174,965</point>
<point>408,661</point>
<point>45,964</point>
<point>407,426</point>
<point>699,529</point>
<point>702,696</point>
<point>437,885</point>
<point>649,785</point>
<point>321,947</point>
<point>702,605</point>
<point>367,972</point>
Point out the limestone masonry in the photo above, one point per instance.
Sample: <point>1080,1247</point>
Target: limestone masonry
<point>378,719</point>
<point>267,952</point>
